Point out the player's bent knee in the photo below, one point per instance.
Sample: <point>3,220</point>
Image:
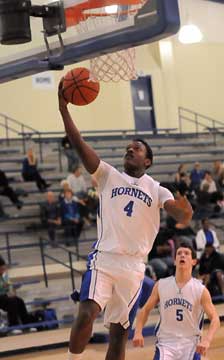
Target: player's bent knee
<point>85,318</point>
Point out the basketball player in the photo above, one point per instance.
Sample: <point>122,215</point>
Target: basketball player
<point>183,301</point>
<point>128,222</point>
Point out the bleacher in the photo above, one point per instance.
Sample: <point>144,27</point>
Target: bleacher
<point>20,233</point>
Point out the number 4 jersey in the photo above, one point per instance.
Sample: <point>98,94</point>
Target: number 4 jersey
<point>129,212</point>
<point>181,313</point>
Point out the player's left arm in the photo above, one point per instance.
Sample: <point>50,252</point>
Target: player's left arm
<point>180,209</point>
<point>211,312</point>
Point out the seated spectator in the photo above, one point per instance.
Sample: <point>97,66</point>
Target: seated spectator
<point>211,270</point>
<point>51,216</point>
<point>180,231</point>
<point>77,182</point>
<point>30,171</point>
<point>64,186</point>
<point>70,152</point>
<point>161,255</point>
<point>196,176</point>
<point>206,236</point>
<point>219,207</point>
<point>208,179</point>
<point>71,219</point>
<point>79,188</point>
<point>204,207</point>
<point>12,304</point>
<point>181,169</point>
<point>8,191</point>
<point>93,199</point>
<point>218,169</point>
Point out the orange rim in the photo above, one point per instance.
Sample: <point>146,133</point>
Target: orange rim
<point>76,13</point>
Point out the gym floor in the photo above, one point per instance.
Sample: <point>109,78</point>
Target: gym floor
<point>98,351</point>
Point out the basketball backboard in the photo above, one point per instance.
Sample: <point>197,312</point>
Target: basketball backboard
<point>132,23</point>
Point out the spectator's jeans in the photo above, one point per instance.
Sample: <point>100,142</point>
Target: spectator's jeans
<point>15,308</point>
<point>72,231</point>
<point>51,232</point>
<point>162,266</point>
<point>35,176</point>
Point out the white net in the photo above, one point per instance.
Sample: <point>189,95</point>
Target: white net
<point>114,66</point>
<point>118,65</point>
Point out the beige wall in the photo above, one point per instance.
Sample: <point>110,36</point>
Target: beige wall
<point>200,77</point>
<point>111,110</point>
<point>188,75</point>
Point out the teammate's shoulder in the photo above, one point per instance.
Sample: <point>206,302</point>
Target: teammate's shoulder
<point>165,281</point>
<point>197,282</point>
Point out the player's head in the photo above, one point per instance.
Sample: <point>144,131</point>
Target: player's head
<point>138,155</point>
<point>185,257</point>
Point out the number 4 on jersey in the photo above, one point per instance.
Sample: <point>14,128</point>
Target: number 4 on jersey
<point>129,208</point>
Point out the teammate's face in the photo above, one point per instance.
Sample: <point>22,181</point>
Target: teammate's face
<point>184,259</point>
<point>135,156</point>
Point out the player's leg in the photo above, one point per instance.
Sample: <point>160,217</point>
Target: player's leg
<point>118,312</point>
<point>82,328</point>
<point>96,290</point>
<point>117,342</point>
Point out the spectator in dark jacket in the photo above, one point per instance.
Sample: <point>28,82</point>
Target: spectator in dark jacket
<point>9,302</point>
<point>51,216</point>
<point>161,256</point>
<point>70,218</point>
<point>30,171</point>
<point>8,191</point>
<point>196,176</point>
<point>211,270</point>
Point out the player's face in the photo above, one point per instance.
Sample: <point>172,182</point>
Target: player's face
<point>135,156</point>
<point>184,259</point>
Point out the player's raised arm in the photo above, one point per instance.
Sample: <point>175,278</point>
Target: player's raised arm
<point>180,209</point>
<point>142,316</point>
<point>211,312</point>
<point>88,156</point>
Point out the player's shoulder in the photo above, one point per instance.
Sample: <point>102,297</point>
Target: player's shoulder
<point>165,282</point>
<point>197,282</point>
<point>150,179</point>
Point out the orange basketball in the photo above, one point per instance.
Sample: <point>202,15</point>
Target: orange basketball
<point>78,89</point>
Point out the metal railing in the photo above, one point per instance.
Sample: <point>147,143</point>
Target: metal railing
<point>70,253</point>
<point>202,123</point>
<point>14,126</point>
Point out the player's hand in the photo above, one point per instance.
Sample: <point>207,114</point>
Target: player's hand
<point>61,99</point>
<point>138,340</point>
<point>203,346</point>
<point>180,226</point>
<point>183,204</point>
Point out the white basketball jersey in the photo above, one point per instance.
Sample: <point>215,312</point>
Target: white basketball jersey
<point>129,211</point>
<point>181,313</point>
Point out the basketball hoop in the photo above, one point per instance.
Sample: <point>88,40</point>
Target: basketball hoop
<point>95,15</point>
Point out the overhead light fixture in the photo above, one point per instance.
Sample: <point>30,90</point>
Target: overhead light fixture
<point>111,9</point>
<point>190,34</point>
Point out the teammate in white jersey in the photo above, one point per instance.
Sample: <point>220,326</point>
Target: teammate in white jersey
<point>182,302</point>
<point>129,217</point>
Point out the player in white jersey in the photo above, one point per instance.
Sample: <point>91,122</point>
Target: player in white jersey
<point>129,217</point>
<point>182,302</point>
